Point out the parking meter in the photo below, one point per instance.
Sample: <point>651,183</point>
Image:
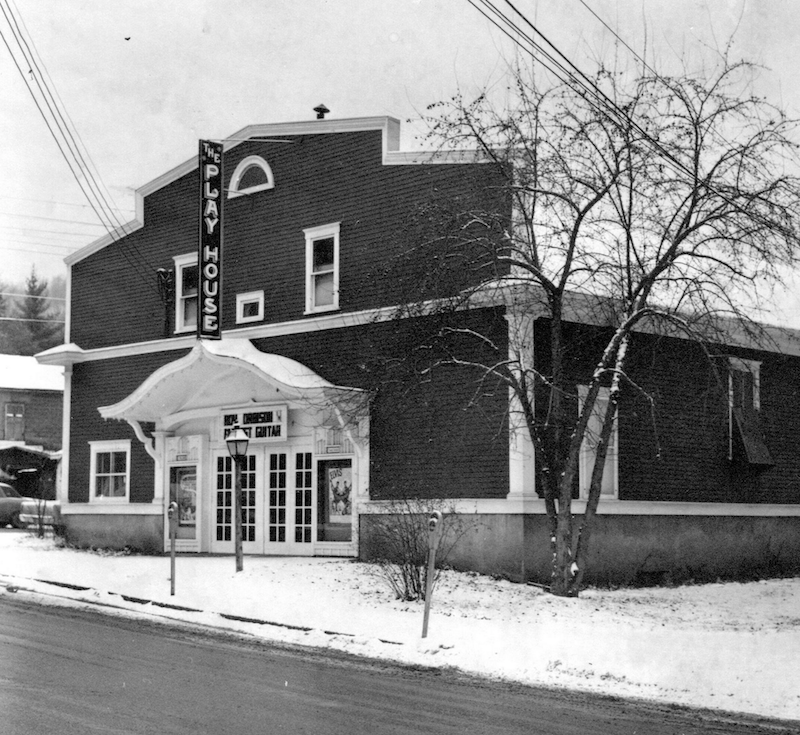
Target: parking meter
<point>434,529</point>
<point>434,536</point>
<point>172,514</point>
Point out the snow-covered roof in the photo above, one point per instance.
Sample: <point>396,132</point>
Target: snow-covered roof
<point>219,372</point>
<point>26,373</point>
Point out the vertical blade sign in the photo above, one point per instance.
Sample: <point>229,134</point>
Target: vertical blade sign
<point>209,302</point>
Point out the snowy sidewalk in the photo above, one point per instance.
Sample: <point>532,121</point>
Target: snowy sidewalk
<point>732,647</point>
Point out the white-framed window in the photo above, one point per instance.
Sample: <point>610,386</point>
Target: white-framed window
<point>187,283</point>
<point>253,174</point>
<point>322,268</point>
<point>14,422</point>
<point>109,474</point>
<point>610,484</point>
<point>249,307</point>
<point>744,413</point>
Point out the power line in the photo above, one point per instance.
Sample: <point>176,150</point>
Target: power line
<point>91,191</point>
<point>30,296</point>
<point>52,219</point>
<point>61,256</point>
<point>576,81</point>
<point>57,204</point>
<point>60,233</point>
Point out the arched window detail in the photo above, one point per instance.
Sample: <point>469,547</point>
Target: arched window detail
<point>251,175</point>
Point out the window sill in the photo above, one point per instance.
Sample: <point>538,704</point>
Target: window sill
<point>321,310</point>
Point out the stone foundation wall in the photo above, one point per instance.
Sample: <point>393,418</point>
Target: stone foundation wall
<point>625,550</point>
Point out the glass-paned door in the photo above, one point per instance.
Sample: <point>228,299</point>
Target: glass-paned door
<point>291,503</point>
<point>224,479</point>
<point>303,497</point>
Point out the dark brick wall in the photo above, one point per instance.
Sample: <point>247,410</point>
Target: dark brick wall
<point>103,383</point>
<point>428,435</point>
<point>433,435</point>
<point>43,412</point>
<point>319,179</point>
<point>677,449</point>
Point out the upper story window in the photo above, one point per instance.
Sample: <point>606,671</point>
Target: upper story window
<point>14,422</point>
<point>249,307</point>
<point>186,291</point>
<point>744,413</point>
<point>610,483</point>
<point>110,470</point>
<point>322,268</point>
<point>251,175</point>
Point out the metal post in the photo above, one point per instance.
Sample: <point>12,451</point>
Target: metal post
<point>434,534</point>
<point>237,514</point>
<point>173,532</point>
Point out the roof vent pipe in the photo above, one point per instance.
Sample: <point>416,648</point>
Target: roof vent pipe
<point>321,111</point>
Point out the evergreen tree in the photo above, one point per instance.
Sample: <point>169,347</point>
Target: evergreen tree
<point>41,326</point>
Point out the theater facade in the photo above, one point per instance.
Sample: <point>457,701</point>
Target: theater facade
<point>252,290</point>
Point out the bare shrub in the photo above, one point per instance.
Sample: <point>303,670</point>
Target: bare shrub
<point>397,543</point>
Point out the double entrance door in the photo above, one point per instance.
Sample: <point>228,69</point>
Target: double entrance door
<point>279,498</point>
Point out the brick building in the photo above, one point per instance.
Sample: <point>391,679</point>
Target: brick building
<point>307,362</point>
<point>32,397</point>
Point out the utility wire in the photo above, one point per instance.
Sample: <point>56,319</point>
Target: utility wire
<point>92,193</point>
<point>51,219</point>
<point>21,319</point>
<point>30,296</point>
<point>581,83</point>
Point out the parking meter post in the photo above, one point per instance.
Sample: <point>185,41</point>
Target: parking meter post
<point>434,534</point>
<point>172,512</point>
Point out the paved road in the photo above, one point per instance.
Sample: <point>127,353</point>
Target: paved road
<point>67,671</point>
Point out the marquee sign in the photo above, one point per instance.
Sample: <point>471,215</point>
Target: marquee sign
<point>209,302</point>
<point>264,423</point>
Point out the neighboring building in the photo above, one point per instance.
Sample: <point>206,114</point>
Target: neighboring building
<point>32,398</point>
<point>313,213</point>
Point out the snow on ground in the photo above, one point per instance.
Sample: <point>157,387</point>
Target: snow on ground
<point>733,647</point>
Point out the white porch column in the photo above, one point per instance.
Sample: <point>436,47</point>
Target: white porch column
<point>521,460</point>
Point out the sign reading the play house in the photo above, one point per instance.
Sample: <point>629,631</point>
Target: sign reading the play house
<point>209,300</point>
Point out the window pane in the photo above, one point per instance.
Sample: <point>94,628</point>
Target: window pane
<point>103,463</point>
<point>119,462</point>
<point>118,487</point>
<point>323,254</point>
<point>250,309</point>
<point>252,176</point>
<point>323,290</point>
<point>190,311</point>
<point>102,485</point>
<point>189,280</point>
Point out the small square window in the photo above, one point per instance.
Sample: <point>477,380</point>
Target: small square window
<point>322,268</point>
<point>249,307</point>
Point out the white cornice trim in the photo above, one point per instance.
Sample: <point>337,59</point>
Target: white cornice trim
<point>71,353</point>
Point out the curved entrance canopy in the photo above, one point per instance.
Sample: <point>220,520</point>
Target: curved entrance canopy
<point>219,373</point>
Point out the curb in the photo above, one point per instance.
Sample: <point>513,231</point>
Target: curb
<point>10,587</point>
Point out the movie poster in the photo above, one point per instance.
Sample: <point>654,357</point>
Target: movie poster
<point>183,490</point>
<point>340,492</point>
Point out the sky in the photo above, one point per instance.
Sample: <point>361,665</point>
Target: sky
<point>142,80</point>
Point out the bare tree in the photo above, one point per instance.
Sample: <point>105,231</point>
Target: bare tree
<point>646,203</point>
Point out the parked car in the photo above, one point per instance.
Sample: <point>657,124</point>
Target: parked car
<point>11,506</point>
<point>34,512</point>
